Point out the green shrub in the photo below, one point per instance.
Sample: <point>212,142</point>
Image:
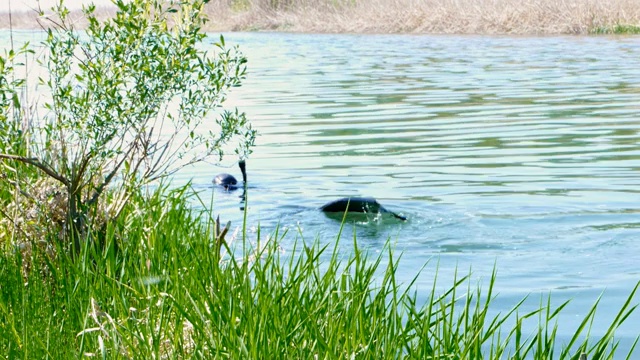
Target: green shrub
<point>125,100</point>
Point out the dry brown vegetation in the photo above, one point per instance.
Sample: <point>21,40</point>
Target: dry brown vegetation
<point>426,16</point>
<point>415,16</point>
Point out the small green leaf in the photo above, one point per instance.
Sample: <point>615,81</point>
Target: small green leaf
<point>16,101</point>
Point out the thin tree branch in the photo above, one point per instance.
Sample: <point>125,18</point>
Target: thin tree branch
<point>15,226</point>
<point>108,179</point>
<point>38,164</point>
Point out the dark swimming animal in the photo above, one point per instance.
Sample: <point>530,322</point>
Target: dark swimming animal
<point>228,182</point>
<point>359,205</point>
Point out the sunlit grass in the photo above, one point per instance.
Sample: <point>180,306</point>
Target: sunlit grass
<point>166,291</point>
<point>617,29</point>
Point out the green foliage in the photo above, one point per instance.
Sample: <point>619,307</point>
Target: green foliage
<point>11,139</point>
<point>129,101</point>
<point>168,292</point>
<point>619,29</point>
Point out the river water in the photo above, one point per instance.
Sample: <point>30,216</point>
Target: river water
<point>518,152</point>
<point>521,153</point>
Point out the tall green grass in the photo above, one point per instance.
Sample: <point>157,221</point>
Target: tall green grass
<point>616,29</point>
<point>159,287</point>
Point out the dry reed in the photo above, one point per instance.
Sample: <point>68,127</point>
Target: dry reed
<point>410,16</point>
<point>426,16</point>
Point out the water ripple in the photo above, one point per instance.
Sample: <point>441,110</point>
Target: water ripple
<point>520,151</point>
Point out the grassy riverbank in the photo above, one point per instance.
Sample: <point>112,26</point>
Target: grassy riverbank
<point>413,16</point>
<point>91,267</point>
<point>165,291</point>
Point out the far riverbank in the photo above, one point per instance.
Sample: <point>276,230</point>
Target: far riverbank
<point>527,17</point>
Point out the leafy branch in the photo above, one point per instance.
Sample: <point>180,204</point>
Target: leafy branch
<point>128,102</point>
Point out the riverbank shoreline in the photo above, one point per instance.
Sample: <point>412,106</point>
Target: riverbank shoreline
<point>491,17</point>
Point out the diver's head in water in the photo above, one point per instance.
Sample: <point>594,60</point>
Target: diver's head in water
<point>228,181</point>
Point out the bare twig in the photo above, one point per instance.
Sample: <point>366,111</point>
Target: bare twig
<point>108,179</point>
<point>38,164</point>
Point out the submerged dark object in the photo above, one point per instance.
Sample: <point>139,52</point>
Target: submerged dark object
<point>228,181</point>
<point>358,205</point>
